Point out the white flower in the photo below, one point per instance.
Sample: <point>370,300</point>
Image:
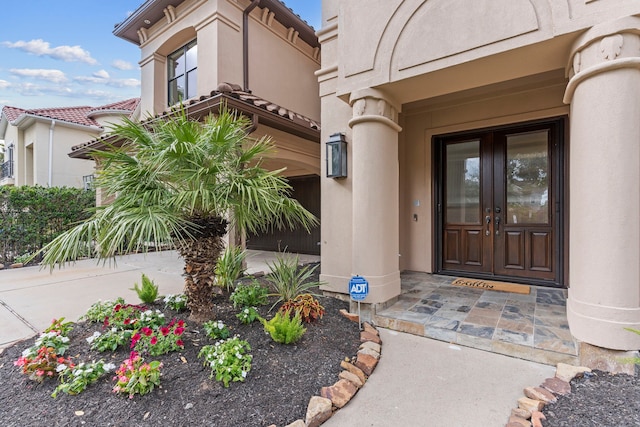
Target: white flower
<point>244,374</point>
<point>108,367</point>
<point>61,367</point>
<point>95,335</point>
<point>148,313</point>
<point>114,330</point>
<point>64,339</point>
<point>238,355</point>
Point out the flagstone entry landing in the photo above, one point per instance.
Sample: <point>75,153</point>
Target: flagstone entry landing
<point>531,327</point>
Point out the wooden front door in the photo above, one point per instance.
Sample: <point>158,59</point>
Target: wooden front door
<point>498,204</point>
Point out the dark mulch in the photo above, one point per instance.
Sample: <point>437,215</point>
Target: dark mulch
<point>276,391</point>
<point>599,399</point>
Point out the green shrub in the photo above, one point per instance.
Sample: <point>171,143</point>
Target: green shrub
<point>32,216</point>
<point>284,328</point>
<point>176,302</point>
<point>148,292</point>
<point>288,280</point>
<point>228,360</point>
<point>249,295</point>
<point>216,330</point>
<point>308,307</point>
<point>230,267</point>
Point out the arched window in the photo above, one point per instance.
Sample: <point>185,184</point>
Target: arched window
<point>182,73</point>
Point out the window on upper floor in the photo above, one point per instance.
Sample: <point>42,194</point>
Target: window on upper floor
<point>183,72</point>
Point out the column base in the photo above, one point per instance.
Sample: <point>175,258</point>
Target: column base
<point>604,326</point>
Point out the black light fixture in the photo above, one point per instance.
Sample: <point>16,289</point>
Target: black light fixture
<point>337,156</point>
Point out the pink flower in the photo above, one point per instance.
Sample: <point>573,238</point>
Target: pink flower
<point>106,321</point>
<point>127,321</point>
<point>180,343</point>
<point>178,331</point>
<point>181,323</point>
<point>147,331</point>
<point>39,372</point>
<point>154,341</point>
<point>164,330</point>
<point>117,307</point>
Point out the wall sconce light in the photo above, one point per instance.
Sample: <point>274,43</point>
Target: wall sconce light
<point>337,156</point>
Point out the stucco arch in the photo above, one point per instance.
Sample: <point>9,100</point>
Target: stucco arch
<point>177,40</point>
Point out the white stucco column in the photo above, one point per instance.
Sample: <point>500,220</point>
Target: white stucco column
<point>375,182</point>
<point>604,260</point>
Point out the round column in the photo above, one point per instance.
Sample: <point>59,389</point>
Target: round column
<point>375,193</point>
<point>604,246</point>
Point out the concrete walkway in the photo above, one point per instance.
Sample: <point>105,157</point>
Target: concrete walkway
<point>418,382</point>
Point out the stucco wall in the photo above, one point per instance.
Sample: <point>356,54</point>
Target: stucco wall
<point>280,70</point>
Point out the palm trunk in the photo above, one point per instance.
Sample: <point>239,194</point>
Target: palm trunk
<point>201,254</point>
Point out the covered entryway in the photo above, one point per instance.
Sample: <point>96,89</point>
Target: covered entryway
<point>499,205</point>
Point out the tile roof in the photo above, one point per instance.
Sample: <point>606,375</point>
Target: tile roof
<point>80,115</point>
<point>269,114</point>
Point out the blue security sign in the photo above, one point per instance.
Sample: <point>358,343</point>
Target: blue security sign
<point>358,288</point>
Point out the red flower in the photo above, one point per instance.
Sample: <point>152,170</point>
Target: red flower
<point>180,343</point>
<point>164,330</point>
<point>106,321</point>
<point>127,321</point>
<point>134,340</point>
<point>154,341</point>
<point>147,331</point>
<point>117,307</point>
<point>181,323</point>
<point>178,331</point>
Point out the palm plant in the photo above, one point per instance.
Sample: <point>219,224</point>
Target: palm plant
<point>179,182</point>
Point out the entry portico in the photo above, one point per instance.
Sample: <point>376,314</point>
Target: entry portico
<point>404,80</point>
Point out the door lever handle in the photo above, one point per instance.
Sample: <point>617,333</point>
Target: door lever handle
<point>497,221</point>
<point>488,219</point>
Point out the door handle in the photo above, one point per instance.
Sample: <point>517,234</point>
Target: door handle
<point>497,221</point>
<point>488,220</point>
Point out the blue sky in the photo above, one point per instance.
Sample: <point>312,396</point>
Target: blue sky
<point>61,53</point>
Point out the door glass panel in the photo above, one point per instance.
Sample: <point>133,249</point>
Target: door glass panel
<point>527,178</point>
<point>463,182</point>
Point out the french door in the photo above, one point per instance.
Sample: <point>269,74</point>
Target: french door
<point>499,203</point>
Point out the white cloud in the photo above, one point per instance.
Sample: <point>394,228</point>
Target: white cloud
<point>55,76</point>
<point>4,84</point>
<point>124,83</point>
<point>122,65</point>
<point>40,47</point>
<point>101,74</point>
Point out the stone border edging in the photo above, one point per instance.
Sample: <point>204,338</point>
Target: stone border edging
<point>528,414</point>
<point>352,378</point>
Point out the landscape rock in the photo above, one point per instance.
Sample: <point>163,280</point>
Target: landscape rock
<point>368,328</point>
<point>351,316</point>
<point>557,386</point>
<point>16,265</point>
<point>353,379</point>
<point>541,394</point>
<point>296,423</point>
<point>369,352</point>
<point>522,413</point>
<point>354,370</point>
<point>536,418</point>
<point>368,336</point>
<point>340,393</point>
<point>530,404</point>
<point>366,363</point>
<point>318,411</point>
<point>568,372</point>
<point>371,345</point>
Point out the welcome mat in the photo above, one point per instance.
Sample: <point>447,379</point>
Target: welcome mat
<point>488,285</point>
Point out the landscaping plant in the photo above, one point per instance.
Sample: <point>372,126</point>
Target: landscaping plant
<point>248,315</point>
<point>288,280</point>
<point>306,305</point>
<point>284,328</point>
<point>101,309</point>
<point>228,360</point>
<point>230,266</point>
<point>176,182</point>
<point>75,379</point>
<point>159,341</point>
<point>148,291</point>
<point>175,302</point>
<point>134,376</point>
<point>216,330</point>
<point>249,295</point>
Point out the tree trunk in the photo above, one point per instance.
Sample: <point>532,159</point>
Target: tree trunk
<point>201,255</point>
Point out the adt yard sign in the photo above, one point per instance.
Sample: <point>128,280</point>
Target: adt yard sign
<point>358,288</point>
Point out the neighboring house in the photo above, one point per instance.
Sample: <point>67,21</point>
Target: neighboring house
<point>257,57</point>
<point>495,139</point>
<point>37,142</point>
